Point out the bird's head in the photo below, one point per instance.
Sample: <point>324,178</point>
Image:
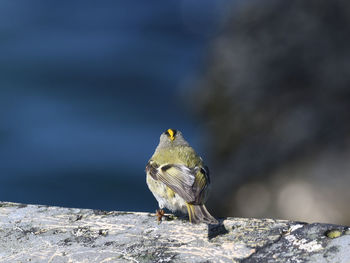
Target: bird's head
<point>171,137</point>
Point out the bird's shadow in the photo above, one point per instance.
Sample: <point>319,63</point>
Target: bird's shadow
<point>215,230</point>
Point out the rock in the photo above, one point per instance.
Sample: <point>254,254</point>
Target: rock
<point>36,233</point>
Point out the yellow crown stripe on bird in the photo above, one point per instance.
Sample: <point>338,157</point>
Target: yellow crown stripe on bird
<point>171,134</point>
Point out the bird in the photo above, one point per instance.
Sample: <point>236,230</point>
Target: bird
<point>178,178</point>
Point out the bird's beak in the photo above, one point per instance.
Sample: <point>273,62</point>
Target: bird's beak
<point>171,133</point>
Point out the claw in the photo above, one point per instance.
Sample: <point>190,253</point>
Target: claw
<point>159,213</point>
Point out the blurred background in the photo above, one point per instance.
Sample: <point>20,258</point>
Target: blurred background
<point>260,89</point>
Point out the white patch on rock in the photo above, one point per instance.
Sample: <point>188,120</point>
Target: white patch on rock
<point>303,244</point>
<point>295,227</point>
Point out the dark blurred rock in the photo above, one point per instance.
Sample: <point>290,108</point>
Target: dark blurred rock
<point>275,98</point>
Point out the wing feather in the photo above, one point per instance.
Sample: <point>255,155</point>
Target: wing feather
<point>178,178</point>
<point>187,183</point>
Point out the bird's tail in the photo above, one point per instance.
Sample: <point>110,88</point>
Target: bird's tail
<point>199,213</point>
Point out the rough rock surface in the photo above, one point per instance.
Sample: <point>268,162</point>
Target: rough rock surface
<point>36,233</point>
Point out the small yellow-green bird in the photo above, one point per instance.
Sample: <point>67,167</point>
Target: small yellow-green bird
<point>178,178</point>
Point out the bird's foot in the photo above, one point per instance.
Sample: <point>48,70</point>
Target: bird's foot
<point>160,213</point>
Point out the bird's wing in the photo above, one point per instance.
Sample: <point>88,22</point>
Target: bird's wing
<point>202,181</point>
<point>177,177</point>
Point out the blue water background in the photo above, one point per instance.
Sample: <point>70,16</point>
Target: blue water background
<point>86,88</point>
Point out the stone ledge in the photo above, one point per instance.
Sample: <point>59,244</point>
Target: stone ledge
<point>36,233</point>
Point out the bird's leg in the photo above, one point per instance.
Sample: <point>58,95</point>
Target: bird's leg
<point>160,213</point>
